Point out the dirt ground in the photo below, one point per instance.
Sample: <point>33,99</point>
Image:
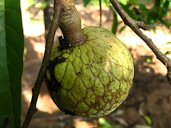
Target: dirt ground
<point>147,106</point>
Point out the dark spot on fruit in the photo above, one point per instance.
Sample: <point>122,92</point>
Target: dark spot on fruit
<point>58,60</point>
<point>78,73</point>
<point>53,83</point>
<point>90,65</point>
<point>63,44</point>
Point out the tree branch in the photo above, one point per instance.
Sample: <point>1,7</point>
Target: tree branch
<point>135,25</point>
<point>42,71</point>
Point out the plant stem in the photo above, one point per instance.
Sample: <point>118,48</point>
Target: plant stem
<point>42,71</point>
<point>70,23</point>
<point>100,10</point>
<point>47,18</point>
<point>135,25</point>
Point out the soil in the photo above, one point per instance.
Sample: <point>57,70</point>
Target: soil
<point>147,106</point>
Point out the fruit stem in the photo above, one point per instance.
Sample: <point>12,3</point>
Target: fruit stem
<point>70,23</point>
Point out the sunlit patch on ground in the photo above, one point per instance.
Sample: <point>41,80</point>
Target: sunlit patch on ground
<point>44,103</point>
<point>78,123</point>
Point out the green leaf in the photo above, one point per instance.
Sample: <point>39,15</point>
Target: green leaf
<point>39,5</point>
<point>42,5</point>
<point>157,3</point>
<point>143,8</point>
<point>122,28</point>
<point>166,4</point>
<point>169,4</point>
<point>147,119</point>
<point>115,23</point>
<point>11,62</point>
<point>129,12</point>
<point>168,53</point>
<point>104,123</point>
<point>86,2</point>
<point>124,2</point>
<point>134,2</point>
<point>107,2</point>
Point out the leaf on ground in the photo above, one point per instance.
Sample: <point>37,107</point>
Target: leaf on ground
<point>103,123</point>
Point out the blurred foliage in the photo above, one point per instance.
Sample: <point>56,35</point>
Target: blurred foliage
<point>151,12</point>
<point>35,6</point>
<point>38,4</point>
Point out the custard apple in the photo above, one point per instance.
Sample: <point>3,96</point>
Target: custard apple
<point>93,78</point>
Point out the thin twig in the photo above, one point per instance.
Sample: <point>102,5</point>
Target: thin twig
<point>141,24</point>
<point>134,25</point>
<point>100,10</point>
<point>42,71</point>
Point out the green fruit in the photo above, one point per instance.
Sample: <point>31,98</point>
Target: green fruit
<point>91,79</point>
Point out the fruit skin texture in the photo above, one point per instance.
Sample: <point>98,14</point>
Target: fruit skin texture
<point>94,78</point>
